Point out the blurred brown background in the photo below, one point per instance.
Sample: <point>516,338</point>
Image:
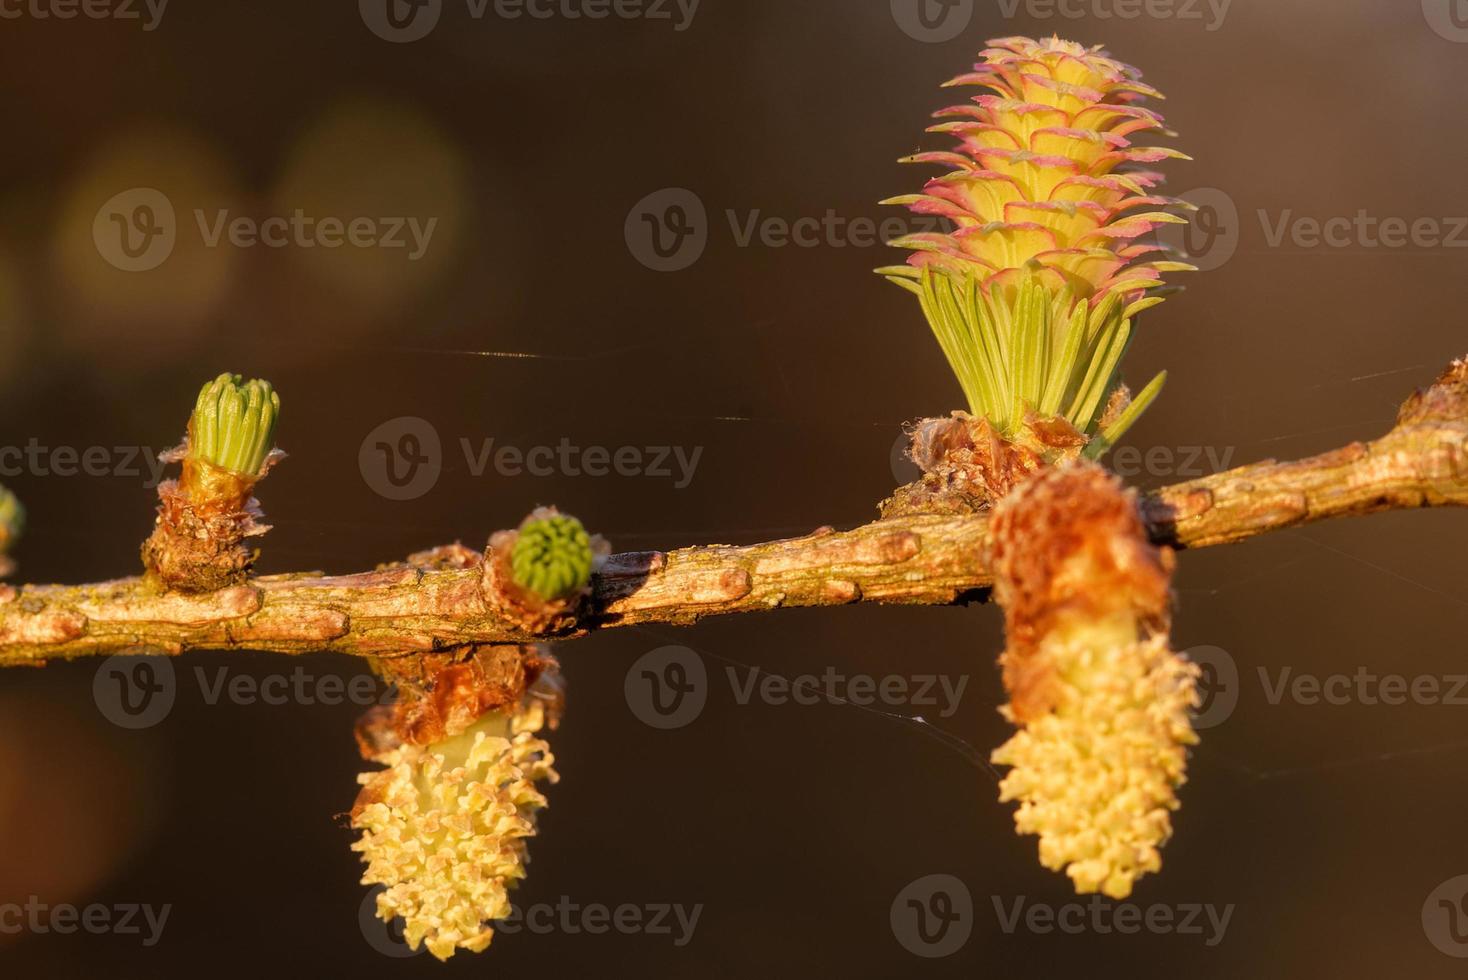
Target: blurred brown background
<point>532,143</point>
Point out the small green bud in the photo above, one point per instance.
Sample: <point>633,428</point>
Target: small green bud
<point>552,557</point>
<point>233,426</point>
<point>12,519</point>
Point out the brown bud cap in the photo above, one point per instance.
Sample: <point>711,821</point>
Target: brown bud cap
<point>967,465</point>
<point>1069,547</point>
<point>441,695</point>
<point>198,542</point>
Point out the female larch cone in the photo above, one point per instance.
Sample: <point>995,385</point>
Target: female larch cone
<point>1053,210</point>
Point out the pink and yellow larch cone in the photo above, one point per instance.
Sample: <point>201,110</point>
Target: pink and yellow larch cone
<point>1032,291</point>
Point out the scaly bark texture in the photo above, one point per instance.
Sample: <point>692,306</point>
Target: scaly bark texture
<point>446,599</point>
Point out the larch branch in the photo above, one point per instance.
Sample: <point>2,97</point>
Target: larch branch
<point>443,600</point>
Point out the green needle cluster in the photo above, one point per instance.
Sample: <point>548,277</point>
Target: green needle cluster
<point>234,424</point>
<point>552,557</point>
<point>1052,355</point>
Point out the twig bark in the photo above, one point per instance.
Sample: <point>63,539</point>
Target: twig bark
<point>442,600</point>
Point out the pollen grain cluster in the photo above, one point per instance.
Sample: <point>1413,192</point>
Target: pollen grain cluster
<point>1096,778</point>
<point>444,828</point>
